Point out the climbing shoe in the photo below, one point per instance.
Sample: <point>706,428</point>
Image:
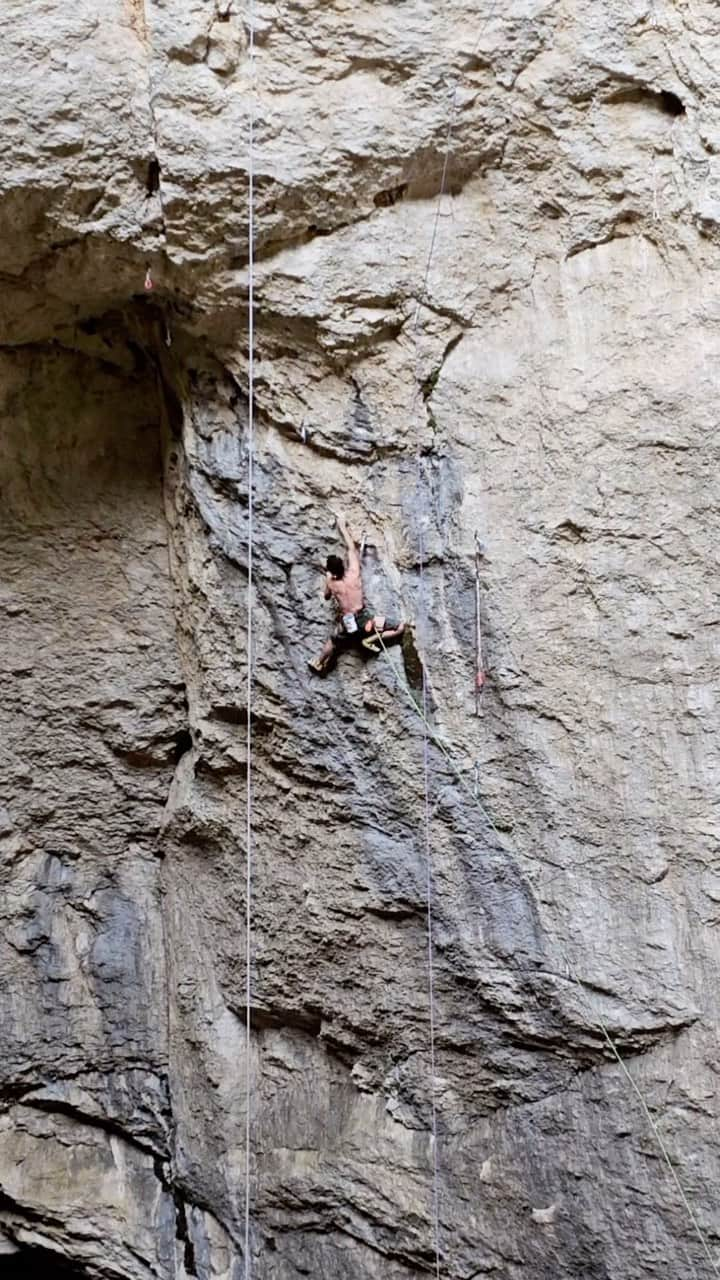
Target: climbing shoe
<point>373,643</point>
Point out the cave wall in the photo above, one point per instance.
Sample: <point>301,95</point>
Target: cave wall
<point>93,701</point>
<point>547,383</point>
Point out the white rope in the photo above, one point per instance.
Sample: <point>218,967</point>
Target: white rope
<point>249,678</point>
<point>426,749</point>
<point>432,1019</point>
<point>430,943</point>
<point>436,220</point>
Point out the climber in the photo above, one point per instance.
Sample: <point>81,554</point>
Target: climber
<point>359,628</point>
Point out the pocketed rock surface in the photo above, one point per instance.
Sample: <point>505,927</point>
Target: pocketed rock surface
<point>529,361</point>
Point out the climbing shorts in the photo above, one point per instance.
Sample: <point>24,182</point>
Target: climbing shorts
<point>365,620</point>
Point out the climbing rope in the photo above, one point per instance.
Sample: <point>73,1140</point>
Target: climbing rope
<point>249,675</point>
<point>593,1022</point>
<point>479,664</point>
<point>427,842</point>
<point>430,939</point>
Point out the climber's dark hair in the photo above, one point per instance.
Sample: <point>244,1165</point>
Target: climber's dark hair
<point>335,566</point>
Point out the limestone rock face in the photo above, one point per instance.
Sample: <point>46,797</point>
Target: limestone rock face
<point>530,361</point>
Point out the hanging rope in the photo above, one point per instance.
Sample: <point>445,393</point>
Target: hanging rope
<point>449,132</point>
<point>249,678</point>
<point>427,843</point>
<point>430,940</point>
<point>479,665</point>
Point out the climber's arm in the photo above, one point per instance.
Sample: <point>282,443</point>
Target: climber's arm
<point>352,551</point>
<point>328,592</point>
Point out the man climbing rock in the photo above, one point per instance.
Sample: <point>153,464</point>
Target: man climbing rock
<point>359,628</point>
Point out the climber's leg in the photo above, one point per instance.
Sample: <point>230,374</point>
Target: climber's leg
<point>382,629</point>
<point>327,659</point>
<point>340,641</point>
<point>393,633</point>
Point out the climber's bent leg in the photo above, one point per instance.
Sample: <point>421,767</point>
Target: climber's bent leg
<point>327,659</point>
<point>382,629</point>
<point>390,636</point>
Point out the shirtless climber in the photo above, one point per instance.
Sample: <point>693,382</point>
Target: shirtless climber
<point>359,628</point>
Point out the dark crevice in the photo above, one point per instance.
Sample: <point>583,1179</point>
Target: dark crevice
<point>12,1091</point>
<point>183,1235</point>
<point>39,1264</point>
<point>569,531</point>
<point>152,180</point>
<point>183,744</point>
<point>394,911</point>
<point>552,209</point>
<point>584,246</point>
<point>673,446</point>
<point>298,1020</point>
<point>155,757</point>
<point>308,1022</point>
<point>412,661</point>
<point>384,199</point>
<point>431,381</point>
<point>236,714</point>
<point>140,759</point>
<point>662,100</point>
<point>670,103</point>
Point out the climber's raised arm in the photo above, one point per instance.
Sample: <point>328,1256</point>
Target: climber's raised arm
<point>353,557</point>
